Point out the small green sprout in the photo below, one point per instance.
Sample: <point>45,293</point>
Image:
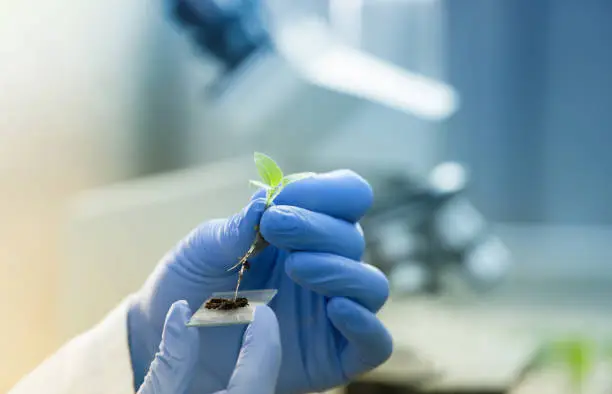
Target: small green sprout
<point>574,353</point>
<point>273,181</point>
<point>272,178</point>
<point>577,354</point>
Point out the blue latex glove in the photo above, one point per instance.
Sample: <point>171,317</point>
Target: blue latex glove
<point>175,364</point>
<point>327,298</point>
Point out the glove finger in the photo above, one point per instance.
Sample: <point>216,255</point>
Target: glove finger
<point>335,276</point>
<point>369,344</point>
<point>294,228</point>
<point>342,194</point>
<point>259,361</point>
<point>173,367</point>
<point>216,245</point>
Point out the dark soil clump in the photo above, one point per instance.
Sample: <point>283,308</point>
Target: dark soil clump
<point>225,304</point>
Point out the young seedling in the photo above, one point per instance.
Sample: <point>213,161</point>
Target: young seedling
<point>273,181</point>
<point>577,354</point>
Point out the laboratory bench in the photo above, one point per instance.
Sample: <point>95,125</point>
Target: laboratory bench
<point>478,346</point>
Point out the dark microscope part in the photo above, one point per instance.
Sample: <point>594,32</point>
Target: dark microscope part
<point>231,35</point>
<point>224,304</point>
<point>410,205</point>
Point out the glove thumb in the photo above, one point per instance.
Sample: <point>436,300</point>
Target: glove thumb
<point>216,245</point>
<point>259,361</point>
<point>173,367</point>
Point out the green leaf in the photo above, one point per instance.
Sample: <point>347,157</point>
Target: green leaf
<point>296,177</point>
<point>269,171</point>
<point>580,359</point>
<point>259,184</point>
<point>576,354</point>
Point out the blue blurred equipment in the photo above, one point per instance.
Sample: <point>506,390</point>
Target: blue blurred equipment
<point>327,298</point>
<point>229,31</point>
<point>419,228</point>
<point>277,62</point>
<point>233,32</point>
<point>175,364</point>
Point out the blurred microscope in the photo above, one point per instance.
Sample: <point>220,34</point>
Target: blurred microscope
<point>348,83</point>
<point>422,230</point>
<point>319,82</point>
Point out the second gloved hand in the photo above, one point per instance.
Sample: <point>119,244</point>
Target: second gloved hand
<point>175,364</point>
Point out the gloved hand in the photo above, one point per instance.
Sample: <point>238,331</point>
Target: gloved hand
<point>326,301</point>
<point>175,364</point>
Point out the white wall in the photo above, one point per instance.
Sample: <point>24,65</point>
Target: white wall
<point>69,96</point>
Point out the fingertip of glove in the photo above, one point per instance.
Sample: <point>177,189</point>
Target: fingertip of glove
<point>355,182</point>
<point>250,216</point>
<point>259,194</point>
<point>180,311</point>
<point>343,194</point>
<point>256,207</point>
<point>361,327</point>
<point>177,336</point>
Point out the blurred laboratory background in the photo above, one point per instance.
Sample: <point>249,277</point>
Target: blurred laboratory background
<point>482,125</point>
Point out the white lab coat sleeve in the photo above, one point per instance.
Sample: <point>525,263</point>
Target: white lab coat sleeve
<point>95,362</point>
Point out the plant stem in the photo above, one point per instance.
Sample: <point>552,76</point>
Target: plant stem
<point>242,265</point>
<point>258,244</point>
<point>240,274</point>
